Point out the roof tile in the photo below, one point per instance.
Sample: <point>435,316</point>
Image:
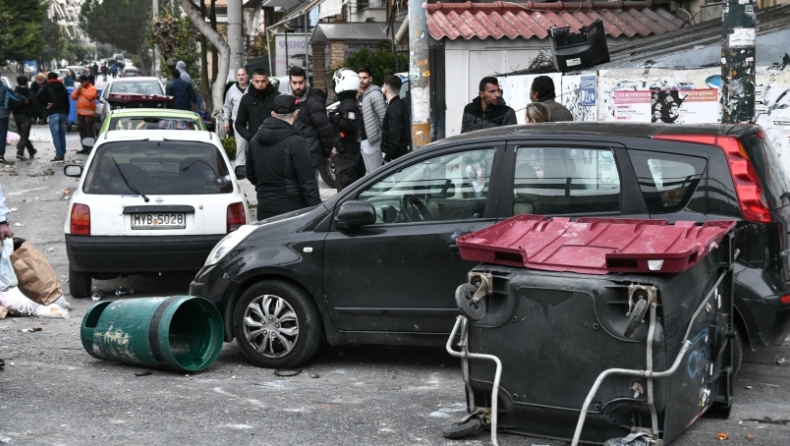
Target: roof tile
<point>526,20</point>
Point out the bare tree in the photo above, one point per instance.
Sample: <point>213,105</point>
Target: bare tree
<point>220,44</point>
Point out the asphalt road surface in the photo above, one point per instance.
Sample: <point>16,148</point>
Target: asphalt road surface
<point>53,393</point>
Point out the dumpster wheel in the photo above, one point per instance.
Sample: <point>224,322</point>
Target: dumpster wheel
<point>464,298</point>
<point>470,425</point>
<point>636,317</point>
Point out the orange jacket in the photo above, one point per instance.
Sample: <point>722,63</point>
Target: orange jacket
<point>86,100</point>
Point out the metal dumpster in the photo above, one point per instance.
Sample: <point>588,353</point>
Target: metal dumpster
<point>598,329</point>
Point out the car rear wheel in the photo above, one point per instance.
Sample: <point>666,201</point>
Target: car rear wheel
<point>277,325</point>
<point>79,283</point>
<point>328,174</point>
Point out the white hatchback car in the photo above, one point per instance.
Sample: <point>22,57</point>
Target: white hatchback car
<point>149,201</point>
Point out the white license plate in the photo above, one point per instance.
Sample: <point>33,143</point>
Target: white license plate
<point>167,220</point>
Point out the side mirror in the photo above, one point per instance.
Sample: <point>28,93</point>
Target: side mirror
<point>241,172</point>
<point>73,170</point>
<point>88,142</point>
<point>355,214</point>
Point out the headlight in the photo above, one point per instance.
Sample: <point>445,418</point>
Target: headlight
<point>228,243</point>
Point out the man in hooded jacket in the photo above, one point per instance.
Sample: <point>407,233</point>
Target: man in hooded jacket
<point>256,105</point>
<point>182,68</point>
<point>312,123</point>
<point>55,99</point>
<point>278,163</point>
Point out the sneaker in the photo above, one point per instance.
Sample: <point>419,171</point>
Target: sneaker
<point>32,153</point>
<point>57,159</point>
<point>2,160</point>
<point>21,157</point>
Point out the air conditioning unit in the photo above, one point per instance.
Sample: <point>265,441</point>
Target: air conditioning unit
<point>574,51</point>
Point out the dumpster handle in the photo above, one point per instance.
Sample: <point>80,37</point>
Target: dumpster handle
<point>650,397</point>
<point>466,354</point>
<point>646,373</point>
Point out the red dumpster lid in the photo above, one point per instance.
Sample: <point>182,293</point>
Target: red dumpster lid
<point>594,245</point>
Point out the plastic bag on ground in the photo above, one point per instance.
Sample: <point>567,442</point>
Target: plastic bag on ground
<point>8,277</point>
<point>19,305</point>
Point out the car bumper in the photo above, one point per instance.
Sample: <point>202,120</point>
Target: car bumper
<point>133,255</point>
<point>758,300</point>
<point>212,283</point>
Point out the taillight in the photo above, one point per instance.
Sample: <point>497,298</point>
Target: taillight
<point>747,185</point>
<point>80,219</point>
<point>785,299</point>
<point>236,217</point>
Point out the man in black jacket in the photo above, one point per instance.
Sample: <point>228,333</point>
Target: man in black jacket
<point>278,163</point>
<point>256,105</point>
<point>396,128</point>
<point>23,116</point>
<point>55,99</point>
<point>312,124</point>
<point>488,109</point>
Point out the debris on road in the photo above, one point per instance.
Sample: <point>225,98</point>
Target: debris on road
<point>30,330</point>
<point>780,361</point>
<point>314,375</point>
<point>18,224</point>
<point>749,437</point>
<point>97,295</point>
<point>722,436</point>
<point>749,387</point>
<point>121,291</point>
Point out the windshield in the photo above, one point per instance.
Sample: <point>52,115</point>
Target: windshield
<point>773,179</point>
<point>158,168</point>
<point>138,87</point>
<point>153,123</point>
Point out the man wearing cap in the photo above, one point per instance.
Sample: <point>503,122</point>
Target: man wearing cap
<point>279,165</point>
<point>85,96</point>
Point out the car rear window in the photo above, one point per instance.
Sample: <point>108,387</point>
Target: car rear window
<point>773,179</point>
<point>667,180</point>
<point>558,180</point>
<point>158,167</point>
<point>139,87</point>
<point>153,123</point>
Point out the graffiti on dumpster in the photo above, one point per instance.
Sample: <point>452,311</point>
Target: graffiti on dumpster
<point>698,355</point>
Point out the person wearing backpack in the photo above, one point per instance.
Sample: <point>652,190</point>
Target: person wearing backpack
<point>24,113</point>
<point>373,109</point>
<point>7,99</point>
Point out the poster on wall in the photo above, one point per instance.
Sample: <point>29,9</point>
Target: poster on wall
<point>578,96</point>
<point>297,53</point>
<point>772,99</point>
<point>659,95</point>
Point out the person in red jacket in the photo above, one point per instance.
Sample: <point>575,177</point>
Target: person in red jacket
<point>85,95</point>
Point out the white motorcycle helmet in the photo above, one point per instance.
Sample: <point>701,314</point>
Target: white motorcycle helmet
<point>345,80</point>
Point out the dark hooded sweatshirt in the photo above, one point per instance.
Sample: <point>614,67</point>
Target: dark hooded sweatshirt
<point>55,93</point>
<point>477,119</point>
<point>278,164</point>
<point>254,108</point>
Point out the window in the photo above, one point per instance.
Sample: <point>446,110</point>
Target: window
<point>141,87</point>
<point>158,167</point>
<point>667,180</point>
<point>446,187</point>
<point>557,180</point>
<point>152,123</point>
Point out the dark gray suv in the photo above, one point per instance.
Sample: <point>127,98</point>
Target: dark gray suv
<point>378,264</point>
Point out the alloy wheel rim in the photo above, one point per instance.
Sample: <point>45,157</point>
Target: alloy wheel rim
<point>271,326</point>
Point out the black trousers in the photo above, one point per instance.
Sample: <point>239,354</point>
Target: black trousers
<point>86,127</point>
<point>23,124</point>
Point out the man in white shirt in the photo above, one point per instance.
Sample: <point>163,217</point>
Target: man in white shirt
<point>231,109</point>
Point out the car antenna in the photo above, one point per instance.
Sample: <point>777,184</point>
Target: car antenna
<point>127,182</point>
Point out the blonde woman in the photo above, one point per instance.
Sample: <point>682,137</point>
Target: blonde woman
<point>536,112</point>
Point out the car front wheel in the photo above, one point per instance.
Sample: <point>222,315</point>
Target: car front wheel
<point>277,325</point>
<point>328,173</point>
<point>79,283</point>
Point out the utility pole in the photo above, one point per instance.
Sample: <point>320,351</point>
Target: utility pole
<point>235,36</point>
<point>419,76</point>
<point>737,57</point>
<point>155,62</point>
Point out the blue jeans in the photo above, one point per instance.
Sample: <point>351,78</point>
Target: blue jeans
<point>57,126</point>
<point>3,134</point>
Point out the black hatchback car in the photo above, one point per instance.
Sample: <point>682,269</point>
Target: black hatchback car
<point>378,263</point>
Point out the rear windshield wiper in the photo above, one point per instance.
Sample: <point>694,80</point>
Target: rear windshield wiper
<point>127,182</point>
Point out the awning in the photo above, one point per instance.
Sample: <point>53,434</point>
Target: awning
<point>360,31</point>
<point>298,12</point>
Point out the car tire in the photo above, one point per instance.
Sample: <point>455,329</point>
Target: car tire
<point>79,283</point>
<point>328,174</point>
<point>297,332</point>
